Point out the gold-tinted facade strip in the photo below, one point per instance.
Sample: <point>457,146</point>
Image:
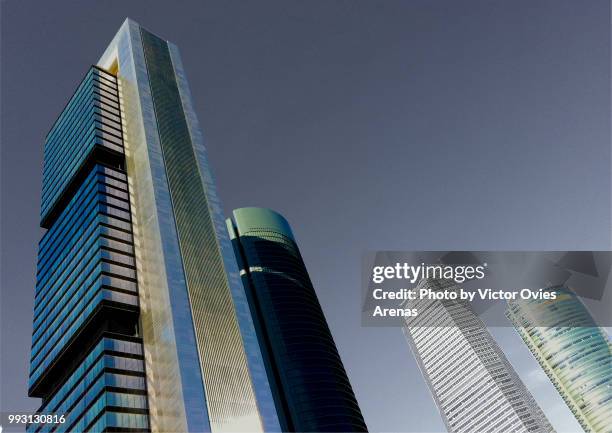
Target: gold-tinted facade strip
<point>229,392</point>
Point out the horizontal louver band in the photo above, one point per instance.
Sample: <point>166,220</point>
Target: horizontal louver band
<point>91,119</point>
<point>84,259</point>
<point>110,375</point>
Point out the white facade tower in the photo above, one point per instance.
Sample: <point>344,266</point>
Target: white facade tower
<point>473,384</point>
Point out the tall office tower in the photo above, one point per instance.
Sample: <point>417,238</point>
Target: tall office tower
<point>573,351</point>
<point>310,386</point>
<point>87,356</point>
<point>141,321</point>
<point>472,382</point>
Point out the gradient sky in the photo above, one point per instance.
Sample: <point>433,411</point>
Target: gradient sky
<point>394,125</point>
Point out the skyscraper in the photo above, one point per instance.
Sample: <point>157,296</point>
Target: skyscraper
<point>573,351</point>
<point>472,382</point>
<point>309,383</point>
<point>85,334</point>
<point>140,321</point>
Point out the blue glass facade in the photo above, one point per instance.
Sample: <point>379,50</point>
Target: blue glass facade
<point>90,121</point>
<point>86,398</point>
<point>87,359</point>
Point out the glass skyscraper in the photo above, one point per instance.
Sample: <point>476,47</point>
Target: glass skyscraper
<point>310,385</point>
<point>473,384</point>
<point>573,351</point>
<point>87,353</point>
<point>141,322</point>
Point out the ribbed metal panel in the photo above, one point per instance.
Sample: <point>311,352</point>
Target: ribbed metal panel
<point>229,392</point>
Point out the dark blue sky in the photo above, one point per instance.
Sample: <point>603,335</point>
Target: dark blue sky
<point>402,125</point>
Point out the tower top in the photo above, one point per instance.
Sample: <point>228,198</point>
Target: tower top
<point>257,218</point>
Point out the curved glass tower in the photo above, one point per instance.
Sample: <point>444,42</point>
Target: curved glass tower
<point>573,351</point>
<point>311,389</point>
